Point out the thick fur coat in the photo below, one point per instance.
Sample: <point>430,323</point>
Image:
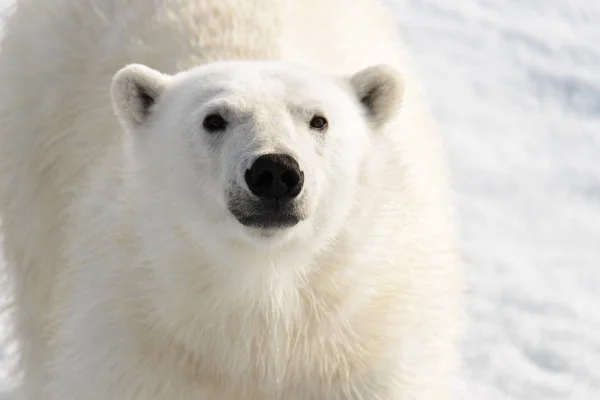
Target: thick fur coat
<point>132,278</point>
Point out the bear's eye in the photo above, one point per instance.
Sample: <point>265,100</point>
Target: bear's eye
<point>318,122</point>
<point>214,123</point>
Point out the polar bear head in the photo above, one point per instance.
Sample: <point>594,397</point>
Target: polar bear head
<point>260,153</point>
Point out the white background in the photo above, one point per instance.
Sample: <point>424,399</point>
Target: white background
<point>515,87</point>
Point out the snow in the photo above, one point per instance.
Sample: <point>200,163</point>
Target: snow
<point>516,90</point>
<point>515,87</point>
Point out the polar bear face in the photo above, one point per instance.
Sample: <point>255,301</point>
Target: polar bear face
<point>264,153</point>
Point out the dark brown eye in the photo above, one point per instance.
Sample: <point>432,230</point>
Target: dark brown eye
<point>214,123</point>
<point>318,122</point>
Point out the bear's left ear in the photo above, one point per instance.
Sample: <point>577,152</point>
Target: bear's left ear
<point>380,90</point>
<point>135,89</point>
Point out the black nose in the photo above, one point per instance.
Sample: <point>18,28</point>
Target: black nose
<point>275,176</point>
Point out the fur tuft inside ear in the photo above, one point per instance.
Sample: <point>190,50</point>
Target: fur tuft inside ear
<point>380,90</point>
<point>135,89</point>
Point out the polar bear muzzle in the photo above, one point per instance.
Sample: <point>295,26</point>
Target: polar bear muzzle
<point>270,200</point>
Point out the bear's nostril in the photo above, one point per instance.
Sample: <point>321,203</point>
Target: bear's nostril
<point>275,176</point>
<point>289,178</point>
<point>264,179</point>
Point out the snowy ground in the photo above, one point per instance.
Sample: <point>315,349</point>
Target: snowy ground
<point>515,85</point>
<point>516,88</point>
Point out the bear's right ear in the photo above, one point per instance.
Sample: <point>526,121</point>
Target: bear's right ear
<point>135,89</point>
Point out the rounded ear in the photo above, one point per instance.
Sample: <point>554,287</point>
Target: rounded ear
<point>380,90</point>
<point>135,89</point>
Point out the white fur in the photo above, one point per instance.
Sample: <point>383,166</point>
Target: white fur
<point>133,279</point>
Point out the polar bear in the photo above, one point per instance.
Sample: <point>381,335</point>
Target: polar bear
<point>208,199</point>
